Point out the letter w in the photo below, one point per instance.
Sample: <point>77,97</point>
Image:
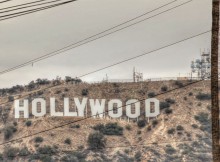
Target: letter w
<point>97,108</point>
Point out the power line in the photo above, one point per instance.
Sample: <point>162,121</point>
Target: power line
<point>21,4</point>
<point>5,1</point>
<point>145,53</point>
<point>62,125</point>
<point>29,6</point>
<point>35,10</point>
<point>66,48</point>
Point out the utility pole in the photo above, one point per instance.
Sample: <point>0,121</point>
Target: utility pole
<point>214,81</point>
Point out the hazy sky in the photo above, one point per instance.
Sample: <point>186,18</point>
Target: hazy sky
<point>31,36</point>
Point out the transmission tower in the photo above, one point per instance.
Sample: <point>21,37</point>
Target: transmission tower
<point>137,76</point>
<point>202,67</point>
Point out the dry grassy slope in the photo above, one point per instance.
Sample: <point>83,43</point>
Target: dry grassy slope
<point>183,114</point>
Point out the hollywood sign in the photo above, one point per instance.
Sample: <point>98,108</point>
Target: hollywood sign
<point>97,108</point>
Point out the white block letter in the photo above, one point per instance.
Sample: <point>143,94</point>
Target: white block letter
<point>137,108</point>
<point>67,108</point>
<point>148,112</point>
<point>53,108</point>
<point>97,108</point>
<point>118,108</point>
<point>42,105</point>
<point>23,108</point>
<point>80,106</point>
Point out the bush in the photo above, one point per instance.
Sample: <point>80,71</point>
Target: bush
<point>170,101</point>
<point>24,152</point>
<point>46,158</point>
<point>179,84</point>
<point>195,126</point>
<point>170,150</point>
<point>203,96</point>
<point>96,140</point>
<point>8,131</point>
<point>179,128</point>
<point>168,111</point>
<point>202,118</point>
<point>128,127</point>
<point>67,141</point>
<point>10,98</point>
<point>171,131</point>
<point>190,93</point>
<point>74,157</point>
<point>154,122</point>
<point>109,129</point>
<point>39,139</point>
<point>138,156</point>
<point>75,126</point>
<point>15,123</point>
<point>11,152</point>
<point>164,88</point>
<point>85,92</point>
<point>149,128</point>
<point>151,94</point>
<point>164,105</point>
<point>139,132</point>
<point>47,150</point>
<point>28,123</point>
<point>141,123</point>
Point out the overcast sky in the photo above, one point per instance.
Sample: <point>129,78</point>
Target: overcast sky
<point>34,35</point>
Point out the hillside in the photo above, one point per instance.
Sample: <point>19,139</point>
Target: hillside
<point>180,133</point>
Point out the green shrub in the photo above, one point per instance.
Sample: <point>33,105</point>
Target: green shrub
<point>75,126</point>
<point>179,128</point>
<point>202,118</point>
<point>10,98</point>
<point>74,157</point>
<point>15,123</point>
<point>179,83</point>
<point>164,105</point>
<point>109,129</point>
<point>11,152</point>
<point>141,123</point>
<point>39,139</point>
<point>139,132</point>
<point>67,141</point>
<point>154,122</point>
<point>8,131</point>
<point>151,94</point>
<point>203,96</point>
<point>128,127</point>
<point>1,157</point>
<point>46,158</point>
<point>195,126</point>
<point>138,156</point>
<point>164,88</point>
<point>28,123</point>
<point>149,128</point>
<point>190,93</point>
<point>170,101</point>
<point>85,92</point>
<point>96,140</point>
<point>24,152</point>
<point>171,131</point>
<point>170,150</point>
<point>47,150</point>
<point>168,111</point>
